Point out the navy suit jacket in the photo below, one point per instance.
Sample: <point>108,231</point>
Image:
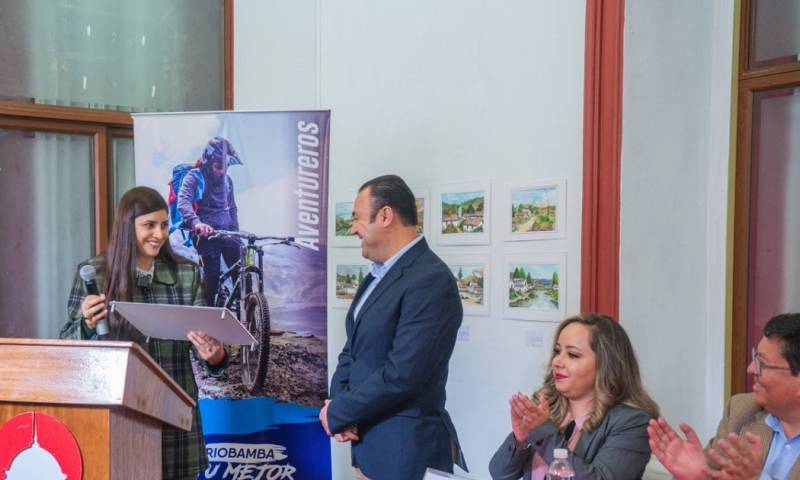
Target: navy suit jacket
<point>391,376</point>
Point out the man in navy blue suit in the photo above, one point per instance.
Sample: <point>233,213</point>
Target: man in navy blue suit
<point>387,394</point>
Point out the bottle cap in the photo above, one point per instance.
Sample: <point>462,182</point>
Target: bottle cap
<point>561,453</point>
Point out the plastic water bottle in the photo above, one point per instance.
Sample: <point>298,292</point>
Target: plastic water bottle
<point>560,469</point>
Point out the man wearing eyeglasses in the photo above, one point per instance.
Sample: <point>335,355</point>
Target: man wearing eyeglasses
<point>759,435</point>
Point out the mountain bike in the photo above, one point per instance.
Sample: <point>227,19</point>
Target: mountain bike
<point>246,299</point>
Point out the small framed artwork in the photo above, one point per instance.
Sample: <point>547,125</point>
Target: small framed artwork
<point>461,214</point>
<point>342,210</point>
<point>534,210</point>
<point>344,278</point>
<point>535,287</point>
<point>472,277</point>
<point>422,195</point>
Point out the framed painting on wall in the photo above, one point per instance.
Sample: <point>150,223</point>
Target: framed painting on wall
<point>471,272</point>
<point>345,276</point>
<point>342,213</point>
<point>422,195</point>
<point>461,214</point>
<point>535,287</point>
<point>534,210</point>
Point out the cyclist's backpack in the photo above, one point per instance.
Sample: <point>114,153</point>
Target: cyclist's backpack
<point>179,173</point>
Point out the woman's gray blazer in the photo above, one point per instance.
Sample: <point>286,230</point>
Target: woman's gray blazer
<point>617,449</point>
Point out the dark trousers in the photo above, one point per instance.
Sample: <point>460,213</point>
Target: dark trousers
<point>210,252</point>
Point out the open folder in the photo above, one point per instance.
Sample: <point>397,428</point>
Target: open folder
<point>174,322</point>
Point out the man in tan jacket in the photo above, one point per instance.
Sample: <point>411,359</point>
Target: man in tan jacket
<point>759,434</point>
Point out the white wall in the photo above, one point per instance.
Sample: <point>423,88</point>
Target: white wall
<point>453,90</point>
<point>675,167</point>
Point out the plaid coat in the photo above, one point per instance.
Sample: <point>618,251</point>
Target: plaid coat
<point>183,453</point>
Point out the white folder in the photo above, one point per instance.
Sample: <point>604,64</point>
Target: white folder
<point>174,322</point>
<point>433,474</point>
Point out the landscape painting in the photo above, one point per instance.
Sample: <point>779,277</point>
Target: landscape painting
<point>420,201</point>
<point>462,214</point>
<point>422,197</point>
<point>533,209</point>
<point>535,287</point>
<point>470,273</point>
<point>348,278</point>
<point>342,221</point>
<point>536,210</point>
<point>348,274</point>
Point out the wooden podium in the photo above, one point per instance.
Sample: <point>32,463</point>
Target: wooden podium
<point>111,395</point>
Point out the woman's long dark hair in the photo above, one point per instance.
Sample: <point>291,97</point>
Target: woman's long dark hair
<point>122,251</point>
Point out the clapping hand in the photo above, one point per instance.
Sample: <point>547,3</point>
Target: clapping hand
<point>738,458</point>
<point>684,459</point>
<point>526,415</point>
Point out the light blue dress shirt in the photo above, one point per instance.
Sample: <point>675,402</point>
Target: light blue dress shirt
<point>782,453</point>
<point>378,270</point>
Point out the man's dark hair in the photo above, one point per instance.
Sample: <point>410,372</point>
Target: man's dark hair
<point>392,191</point>
<point>786,328</point>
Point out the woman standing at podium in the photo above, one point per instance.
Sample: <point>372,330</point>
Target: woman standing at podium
<point>140,266</point>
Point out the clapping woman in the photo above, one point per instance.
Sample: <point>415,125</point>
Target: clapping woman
<point>592,403</point>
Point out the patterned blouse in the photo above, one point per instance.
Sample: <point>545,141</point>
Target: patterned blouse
<point>183,453</point>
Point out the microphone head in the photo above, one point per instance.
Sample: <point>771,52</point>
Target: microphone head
<point>87,273</point>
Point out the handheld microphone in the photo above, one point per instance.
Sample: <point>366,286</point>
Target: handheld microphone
<point>88,275</point>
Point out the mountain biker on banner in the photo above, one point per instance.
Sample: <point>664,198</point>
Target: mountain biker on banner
<point>206,202</point>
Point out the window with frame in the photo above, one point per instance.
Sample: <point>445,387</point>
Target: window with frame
<point>71,72</point>
<point>766,265</point>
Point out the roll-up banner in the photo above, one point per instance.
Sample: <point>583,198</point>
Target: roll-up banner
<point>259,174</point>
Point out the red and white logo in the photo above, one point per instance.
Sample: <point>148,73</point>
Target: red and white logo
<point>36,445</point>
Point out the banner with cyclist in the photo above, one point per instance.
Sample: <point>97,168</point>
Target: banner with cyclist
<point>247,195</point>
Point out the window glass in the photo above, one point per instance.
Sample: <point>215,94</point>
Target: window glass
<point>775,32</point>
<point>124,175</point>
<point>47,222</point>
<point>774,259</point>
<point>142,55</point>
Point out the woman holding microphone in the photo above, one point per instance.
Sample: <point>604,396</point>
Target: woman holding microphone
<point>592,403</point>
<point>140,266</point>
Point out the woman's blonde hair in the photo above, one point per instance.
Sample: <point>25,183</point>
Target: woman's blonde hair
<point>617,377</point>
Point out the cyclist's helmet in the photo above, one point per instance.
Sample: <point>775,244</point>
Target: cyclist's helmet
<point>218,149</point>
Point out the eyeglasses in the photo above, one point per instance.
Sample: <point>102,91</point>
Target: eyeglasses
<point>761,366</point>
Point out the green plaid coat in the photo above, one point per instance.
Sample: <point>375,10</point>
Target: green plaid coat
<point>183,453</point>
